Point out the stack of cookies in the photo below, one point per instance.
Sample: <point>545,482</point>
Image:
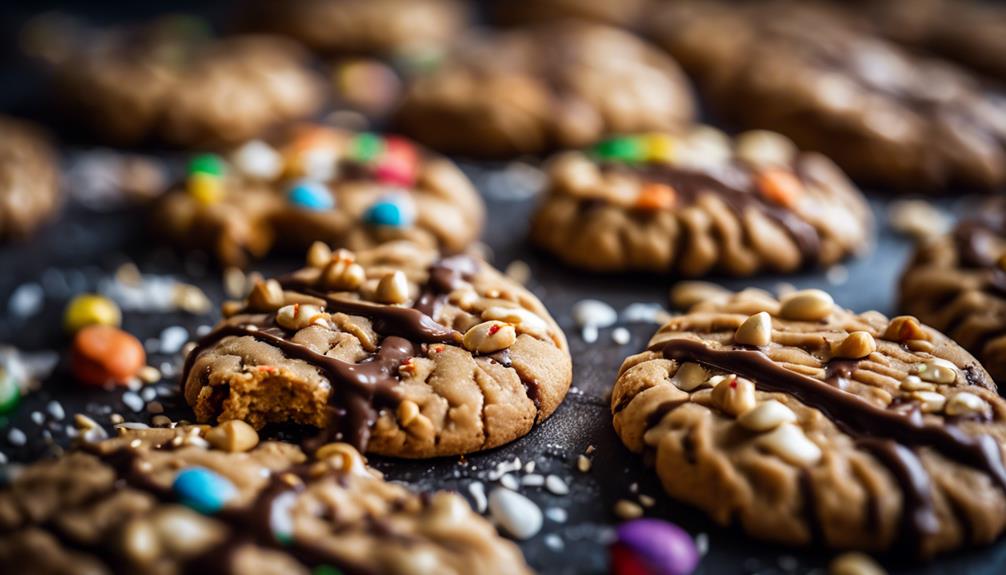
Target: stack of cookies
<point>621,149</point>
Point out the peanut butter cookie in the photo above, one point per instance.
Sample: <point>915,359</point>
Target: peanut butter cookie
<point>394,350</point>
<point>29,173</point>
<point>353,190</point>
<point>813,73</point>
<point>957,284</point>
<point>694,201</point>
<point>170,82</point>
<point>804,423</point>
<point>215,500</point>
<point>561,84</point>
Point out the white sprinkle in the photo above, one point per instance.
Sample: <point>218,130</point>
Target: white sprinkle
<point>173,338</point>
<point>557,514</point>
<point>554,542</point>
<point>533,480</point>
<point>26,300</point>
<point>702,543</point>
<point>509,481</point>
<point>645,313</point>
<point>37,417</point>
<point>589,333</point>
<point>55,409</point>
<point>516,514</point>
<point>203,330</point>
<point>16,437</point>
<point>478,492</point>
<point>594,312</point>
<point>529,467</point>
<point>556,485</point>
<point>837,275</point>
<point>132,401</point>
<point>3,458</point>
<point>148,394</point>
<point>132,425</point>
<point>621,335</point>
<point>633,487</point>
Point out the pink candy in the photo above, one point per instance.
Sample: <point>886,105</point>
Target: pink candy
<point>399,163</point>
<point>653,547</point>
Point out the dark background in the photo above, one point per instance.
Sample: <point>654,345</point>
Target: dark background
<point>83,246</point>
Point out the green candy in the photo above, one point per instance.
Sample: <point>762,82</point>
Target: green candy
<point>211,164</point>
<point>10,392</point>
<point>630,150</point>
<point>325,570</point>
<point>367,147</point>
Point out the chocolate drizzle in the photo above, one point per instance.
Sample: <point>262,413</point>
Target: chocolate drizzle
<point>884,433</point>
<point>979,237</point>
<point>732,187</point>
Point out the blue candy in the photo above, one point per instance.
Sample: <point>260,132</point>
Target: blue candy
<point>203,490</point>
<point>391,211</point>
<point>311,196</point>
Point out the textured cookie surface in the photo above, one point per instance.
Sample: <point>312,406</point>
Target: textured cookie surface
<point>803,423</point>
<point>957,284</point>
<point>622,13</point>
<point>170,82</point>
<point>554,85</point>
<point>363,27</point>
<point>813,74</point>
<point>392,349</point>
<point>317,183</point>
<point>29,190</point>
<point>693,202</point>
<point>130,505</point>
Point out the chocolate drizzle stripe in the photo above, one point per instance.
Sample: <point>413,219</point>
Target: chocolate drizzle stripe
<point>918,517</point>
<point>691,184</point>
<point>854,415</point>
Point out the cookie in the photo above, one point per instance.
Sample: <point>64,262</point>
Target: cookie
<point>555,85</point>
<point>400,28</point>
<point>29,187</point>
<point>395,350</point>
<point>623,13</point>
<point>885,115</point>
<point>312,182</point>
<point>165,501</point>
<point>693,202</point>
<point>170,82</point>
<point>805,423</point>
<point>957,284</point>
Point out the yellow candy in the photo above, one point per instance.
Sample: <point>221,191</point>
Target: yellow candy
<point>90,309</point>
<point>659,148</point>
<point>207,189</point>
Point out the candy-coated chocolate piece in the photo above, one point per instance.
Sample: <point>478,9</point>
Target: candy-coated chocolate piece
<point>366,147</point>
<point>628,149</point>
<point>204,490</point>
<point>653,547</point>
<point>104,354</point>
<point>654,196</point>
<point>659,148</point>
<point>205,188</point>
<point>211,164</point>
<point>90,309</point>
<point>10,392</point>
<point>259,160</point>
<point>780,185</point>
<point>311,195</point>
<point>395,210</point>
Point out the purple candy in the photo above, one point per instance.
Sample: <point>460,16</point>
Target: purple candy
<point>663,547</point>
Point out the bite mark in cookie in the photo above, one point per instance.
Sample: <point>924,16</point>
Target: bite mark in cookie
<point>846,430</point>
<point>463,360</point>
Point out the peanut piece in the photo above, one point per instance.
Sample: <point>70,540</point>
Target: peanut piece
<point>690,376</point>
<point>938,370</point>
<point>393,288</point>
<point>904,328</point>
<point>734,395</point>
<point>298,316</point>
<point>765,148</point>
<point>343,274</point>
<point>767,416</point>
<point>856,345</point>
<point>807,305</point>
<point>407,412</point>
<point>319,254</point>
<point>489,336</point>
<point>266,296</point>
<point>233,436</point>
<point>789,442</point>
<point>342,456</point>
<point>931,402</point>
<point>756,330</point>
<point>525,321</point>
<point>966,403</point>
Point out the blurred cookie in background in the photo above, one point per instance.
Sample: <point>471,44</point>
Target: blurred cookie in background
<point>29,178</point>
<point>957,283</point>
<point>554,85</point>
<point>694,202</point>
<point>885,115</point>
<point>169,81</point>
<point>622,13</point>
<point>313,182</point>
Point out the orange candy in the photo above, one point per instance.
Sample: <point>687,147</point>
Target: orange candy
<point>780,186</point>
<point>104,354</point>
<point>654,196</point>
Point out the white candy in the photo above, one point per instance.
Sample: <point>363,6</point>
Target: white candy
<point>596,313</point>
<point>556,485</point>
<point>516,514</point>
<point>259,160</point>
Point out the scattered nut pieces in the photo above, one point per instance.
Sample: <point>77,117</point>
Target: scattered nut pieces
<point>297,316</point>
<point>905,328</point>
<point>266,296</point>
<point>767,416</point>
<point>319,255</point>
<point>489,337</point>
<point>807,305</point>
<point>625,509</point>
<point>756,330</point>
<point>233,436</point>
<point>764,148</point>
<point>938,370</point>
<point>343,273</point>
<point>856,345</point>
<point>917,218</point>
<point>393,288</point>
<point>966,403</point>
<point>931,401</point>
<point>734,395</point>
<point>583,463</point>
<point>789,442</point>
<point>688,293</point>
<point>407,412</point>
<point>690,376</point>
<point>855,563</point>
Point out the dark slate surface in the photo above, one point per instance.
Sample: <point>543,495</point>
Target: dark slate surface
<point>84,246</point>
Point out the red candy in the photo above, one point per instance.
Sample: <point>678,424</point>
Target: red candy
<point>399,164</point>
<point>104,354</point>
